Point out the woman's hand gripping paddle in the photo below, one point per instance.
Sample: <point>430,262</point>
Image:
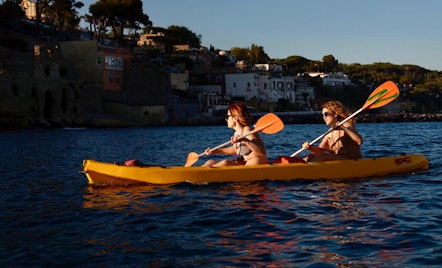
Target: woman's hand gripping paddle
<point>382,95</point>
<point>269,124</point>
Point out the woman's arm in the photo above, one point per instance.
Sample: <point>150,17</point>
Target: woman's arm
<point>227,150</point>
<point>317,149</point>
<point>351,131</point>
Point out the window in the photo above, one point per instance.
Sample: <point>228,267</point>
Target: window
<point>111,78</point>
<point>98,61</point>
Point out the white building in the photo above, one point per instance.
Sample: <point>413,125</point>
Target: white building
<point>179,79</point>
<point>232,58</point>
<point>332,79</point>
<point>265,88</point>
<point>242,86</point>
<point>283,88</point>
<point>336,79</point>
<point>268,67</point>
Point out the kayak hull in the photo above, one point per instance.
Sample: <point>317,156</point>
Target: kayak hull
<point>101,173</point>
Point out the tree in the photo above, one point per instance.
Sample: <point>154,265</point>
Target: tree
<point>10,14</point>
<point>242,54</point>
<point>65,14</point>
<point>180,35</point>
<point>330,64</point>
<point>255,54</point>
<point>295,64</point>
<point>119,14</point>
<point>10,17</point>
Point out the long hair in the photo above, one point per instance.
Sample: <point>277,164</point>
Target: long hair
<point>240,110</point>
<point>339,109</point>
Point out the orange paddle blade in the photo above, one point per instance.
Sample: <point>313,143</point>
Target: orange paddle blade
<point>270,124</point>
<point>191,159</point>
<point>382,95</point>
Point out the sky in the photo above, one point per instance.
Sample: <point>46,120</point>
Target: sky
<point>353,31</point>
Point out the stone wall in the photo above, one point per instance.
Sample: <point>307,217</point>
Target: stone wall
<point>42,99</point>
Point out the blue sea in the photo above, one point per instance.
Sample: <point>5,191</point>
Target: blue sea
<point>51,217</point>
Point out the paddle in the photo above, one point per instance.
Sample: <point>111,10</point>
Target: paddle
<point>382,95</point>
<point>269,124</point>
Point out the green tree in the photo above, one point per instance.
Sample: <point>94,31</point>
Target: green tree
<point>119,15</point>
<point>295,64</point>
<point>175,35</point>
<point>257,54</point>
<point>180,35</point>
<point>330,64</point>
<point>65,14</point>
<point>241,54</point>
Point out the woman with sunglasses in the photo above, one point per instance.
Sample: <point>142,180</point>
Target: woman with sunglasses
<point>249,150</point>
<point>343,142</point>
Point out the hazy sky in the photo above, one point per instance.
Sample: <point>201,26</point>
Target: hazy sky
<point>353,31</point>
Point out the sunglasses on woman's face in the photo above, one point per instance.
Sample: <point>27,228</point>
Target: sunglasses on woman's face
<point>227,116</point>
<point>327,114</point>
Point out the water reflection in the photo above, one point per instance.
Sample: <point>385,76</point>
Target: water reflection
<point>264,223</point>
<point>122,198</point>
<point>350,222</point>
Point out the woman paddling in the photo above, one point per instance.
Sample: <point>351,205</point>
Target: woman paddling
<point>343,142</point>
<point>250,150</point>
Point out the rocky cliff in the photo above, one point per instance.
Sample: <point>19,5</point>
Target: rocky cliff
<point>32,93</point>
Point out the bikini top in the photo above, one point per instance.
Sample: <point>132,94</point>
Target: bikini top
<point>242,149</point>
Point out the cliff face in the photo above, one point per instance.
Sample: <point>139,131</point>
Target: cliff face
<point>39,101</point>
<point>32,94</point>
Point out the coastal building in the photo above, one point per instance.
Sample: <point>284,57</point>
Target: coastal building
<point>246,86</point>
<point>336,79</point>
<point>283,88</point>
<point>231,58</point>
<point>87,60</point>
<point>30,9</point>
<point>242,86</point>
<point>179,79</point>
<point>211,98</point>
<point>115,60</point>
<point>148,40</point>
<point>332,79</point>
<point>305,94</point>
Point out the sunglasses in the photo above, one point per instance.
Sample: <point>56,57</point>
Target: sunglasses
<point>227,116</point>
<point>327,114</point>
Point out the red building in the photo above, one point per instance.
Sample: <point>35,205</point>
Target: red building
<point>115,60</point>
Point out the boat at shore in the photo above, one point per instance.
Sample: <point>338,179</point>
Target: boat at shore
<point>103,173</point>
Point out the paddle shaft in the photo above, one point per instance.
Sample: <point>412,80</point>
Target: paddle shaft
<point>331,129</point>
<point>240,137</point>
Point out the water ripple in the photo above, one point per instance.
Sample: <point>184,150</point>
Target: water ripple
<point>51,217</point>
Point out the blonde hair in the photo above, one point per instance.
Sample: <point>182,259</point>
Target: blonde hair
<point>339,109</point>
<point>240,110</point>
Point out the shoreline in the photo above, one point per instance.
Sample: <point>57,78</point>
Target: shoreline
<point>288,118</point>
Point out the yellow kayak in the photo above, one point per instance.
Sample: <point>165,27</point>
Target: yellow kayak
<point>101,173</point>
